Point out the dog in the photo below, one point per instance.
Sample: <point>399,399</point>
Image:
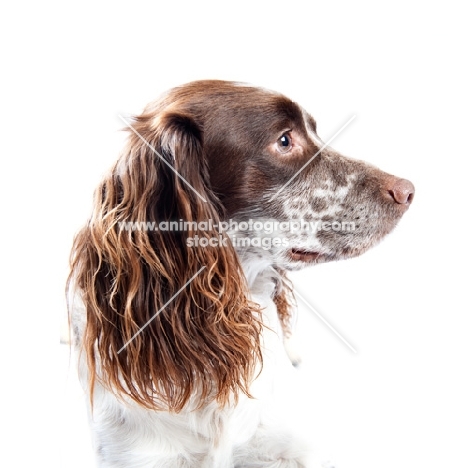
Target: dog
<point>178,293</point>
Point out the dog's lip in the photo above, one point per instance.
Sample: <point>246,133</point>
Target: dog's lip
<point>304,255</point>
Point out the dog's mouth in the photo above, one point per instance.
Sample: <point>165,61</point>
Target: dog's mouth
<point>303,255</point>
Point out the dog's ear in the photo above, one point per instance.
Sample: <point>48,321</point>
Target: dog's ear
<point>167,314</point>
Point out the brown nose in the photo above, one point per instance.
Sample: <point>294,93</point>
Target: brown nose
<point>402,191</point>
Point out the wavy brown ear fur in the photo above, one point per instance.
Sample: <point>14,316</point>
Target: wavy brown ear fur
<point>205,341</point>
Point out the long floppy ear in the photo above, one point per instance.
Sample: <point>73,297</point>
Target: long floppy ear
<point>166,319</point>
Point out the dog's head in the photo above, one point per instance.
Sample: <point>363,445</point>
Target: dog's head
<point>213,172</point>
<point>279,183</point>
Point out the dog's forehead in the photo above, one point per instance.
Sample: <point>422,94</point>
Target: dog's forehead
<point>238,101</point>
<point>233,111</point>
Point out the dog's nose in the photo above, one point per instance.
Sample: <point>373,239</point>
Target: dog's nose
<point>402,191</point>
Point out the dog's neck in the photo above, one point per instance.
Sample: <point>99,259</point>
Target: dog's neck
<point>261,276</point>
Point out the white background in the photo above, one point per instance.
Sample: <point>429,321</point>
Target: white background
<point>400,67</point>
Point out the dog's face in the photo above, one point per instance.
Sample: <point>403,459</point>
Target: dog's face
<point>302,202</point>
<point>250,161</point>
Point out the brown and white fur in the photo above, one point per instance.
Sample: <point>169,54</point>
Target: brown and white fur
<point>207,383</point>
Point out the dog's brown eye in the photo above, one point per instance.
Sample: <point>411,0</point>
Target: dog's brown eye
<point>284,143</point>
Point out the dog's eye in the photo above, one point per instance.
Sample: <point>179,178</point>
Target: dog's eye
<point>284,143</point>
